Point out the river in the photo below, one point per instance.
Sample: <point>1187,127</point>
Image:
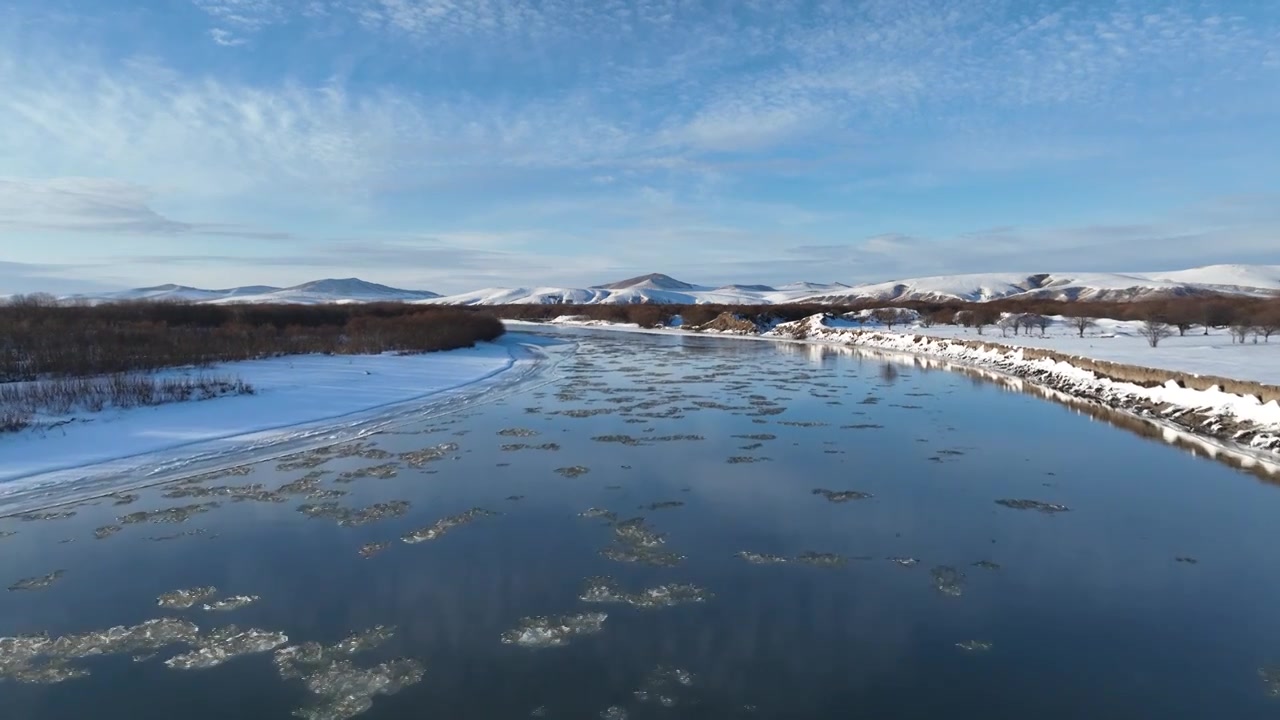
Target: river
<point>786,532</point>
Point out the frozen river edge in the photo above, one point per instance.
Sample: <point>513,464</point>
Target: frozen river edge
<point>300,402</point>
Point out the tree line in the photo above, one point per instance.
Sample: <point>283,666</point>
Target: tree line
<point>1243,317</point>
<point>41,338</point>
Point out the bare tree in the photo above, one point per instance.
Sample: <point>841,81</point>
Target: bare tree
<point>1042,322</point>
<point>1240,330</point>
<point>927,320</point>
<point>1082,323</point>
<point>889,317</point>
<point>1010,322</point>
<point>984,316</point>
<point>1267,322</point>
<point>1155,330</point>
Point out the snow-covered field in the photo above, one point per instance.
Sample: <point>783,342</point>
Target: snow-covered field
<point>296,398</point>
<point>1117,341</point>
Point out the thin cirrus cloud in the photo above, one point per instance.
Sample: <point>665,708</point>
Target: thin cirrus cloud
<point>713,134</point>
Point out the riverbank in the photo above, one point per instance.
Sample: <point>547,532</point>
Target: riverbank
<point>295,398</point>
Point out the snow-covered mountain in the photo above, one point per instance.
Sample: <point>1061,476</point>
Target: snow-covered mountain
<point>655,288</point>
<point>184,293</point>
<point>1261,281</point>
<point>1254,280</point>
<point>1227,277</point>
<point>1234,279</point>
<point>348,290</point>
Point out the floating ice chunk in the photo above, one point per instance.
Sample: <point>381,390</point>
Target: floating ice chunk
<point>573,472</point>
<point>39,582</point>
<point>186,599</point>
<point>905,561</point>
<point>947,580</point>
<point>1271,679</point>
<point>606,590</point>
<point>419,458</point>
<point>297,661</point>
<point>665,505</point>
<point>817,559</point>
<point>642,556</point>
<point>371,549</point>
<point>987,565</point>
<point>839,496</point>
<point>39,659</point>
<point>106,531</point>
<point>974,646</point>
<point>444,525</point>
<point>168,515</point>
<point>614,712</point>
<point>383,471</point>
<point>763,558</point>
<point>620,439</point>
<point>228,643</point>
<point>256,492</point>
<point>345,691</point>
<point>635,532</point>
<point>554,631</point>
<point>595,512</point>
<point>347,517</point>
<point>234,602</point>
<point>1036,505</point>
<point>517,432</point>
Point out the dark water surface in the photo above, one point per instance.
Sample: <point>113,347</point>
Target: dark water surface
<point>1153,596</point>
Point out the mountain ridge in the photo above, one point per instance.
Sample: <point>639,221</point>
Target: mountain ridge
<point>659,288</point>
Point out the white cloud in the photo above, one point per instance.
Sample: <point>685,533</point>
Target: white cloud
<point>96,205</point>
<point>226,38</point>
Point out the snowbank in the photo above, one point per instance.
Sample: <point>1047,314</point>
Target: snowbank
<point>1243,419</point>
<point>1119,341</point>
<point>298,397</point>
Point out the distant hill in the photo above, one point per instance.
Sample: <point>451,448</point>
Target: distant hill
<point>346,290</point>
<point>1251,280</point>
<point>1254,280</point>
<point>652,281</point>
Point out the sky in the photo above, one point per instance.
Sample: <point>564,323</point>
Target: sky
<point>451,145</point>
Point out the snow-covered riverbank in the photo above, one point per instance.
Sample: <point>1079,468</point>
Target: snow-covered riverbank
<point>295,398</point>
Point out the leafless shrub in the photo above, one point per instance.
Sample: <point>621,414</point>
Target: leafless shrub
<point>21,402</point>
<point>1081,323</point>
<point>12,420</point>
<point>890,317</point>
<point>1240,330</point>
<point>1267,321</point>
<point>1154,330</point>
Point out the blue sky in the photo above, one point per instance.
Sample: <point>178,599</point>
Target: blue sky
<point>457,144</point>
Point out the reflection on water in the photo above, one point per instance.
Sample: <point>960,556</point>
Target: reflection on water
<point>675,527</point>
